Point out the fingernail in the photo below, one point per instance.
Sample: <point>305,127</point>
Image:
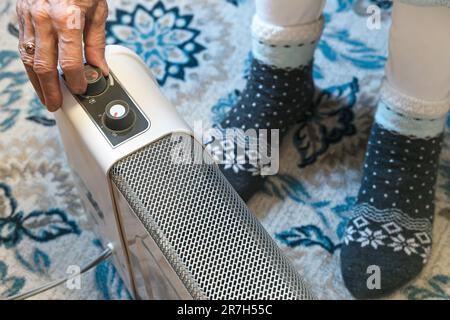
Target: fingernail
<point>79,90</point>
<point>53,108</point>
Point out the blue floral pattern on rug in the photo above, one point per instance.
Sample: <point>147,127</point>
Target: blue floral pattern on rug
<point>162,37</point>
<point>307,236</point>
<point>284,186</point>
<point>38,113</point>
<point>338,45</point>
<point>235,2</point>
<point>38,262</point>
<point>108,280</point>
<point>12,91</point>
<point>40,226</point>
<point>345,5</point>
<point>437,288</point>
<point>328,121</point>
<point>9,285</point>
<point>383,4</point>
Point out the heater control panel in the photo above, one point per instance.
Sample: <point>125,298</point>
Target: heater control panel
<point>111,108</point>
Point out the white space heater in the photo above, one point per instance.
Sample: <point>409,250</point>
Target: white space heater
<point>179,229</point>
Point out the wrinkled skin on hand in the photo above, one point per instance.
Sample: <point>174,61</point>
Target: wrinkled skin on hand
<point>59,28</point>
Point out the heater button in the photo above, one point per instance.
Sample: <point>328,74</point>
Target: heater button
<point>97,83</point>
<point>118,116</point>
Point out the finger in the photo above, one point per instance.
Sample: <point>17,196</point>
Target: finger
<point>71,60</point>
<point>19,13</point>
<point>95,37</point>
<point>26,33</point>
<point>46,58</point>
<point>70,51</point>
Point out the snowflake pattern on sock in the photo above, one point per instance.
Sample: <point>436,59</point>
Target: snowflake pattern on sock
<point>389,228</point>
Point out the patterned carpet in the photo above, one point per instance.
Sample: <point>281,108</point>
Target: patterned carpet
<point>43,228</point>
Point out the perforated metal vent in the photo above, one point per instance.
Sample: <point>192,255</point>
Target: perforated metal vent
<point>216,246</point>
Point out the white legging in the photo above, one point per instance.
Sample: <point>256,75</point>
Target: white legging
<point>419,47</point>
<point>289,12</point>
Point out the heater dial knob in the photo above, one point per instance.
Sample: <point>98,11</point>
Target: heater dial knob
<point>97,83</point>
<point>118,116</point>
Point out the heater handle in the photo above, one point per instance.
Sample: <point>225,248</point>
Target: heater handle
<point>99,259</point>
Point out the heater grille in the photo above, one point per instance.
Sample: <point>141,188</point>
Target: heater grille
<point>216,246</point>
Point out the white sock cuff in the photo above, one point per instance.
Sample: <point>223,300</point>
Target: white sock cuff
<point>282,36</point>
<point>413,107</point>
<point>285,47</point>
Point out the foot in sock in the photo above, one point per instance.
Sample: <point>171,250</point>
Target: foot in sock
<point>279,91</point>
<point>273,99</point>
<point>391,224</point>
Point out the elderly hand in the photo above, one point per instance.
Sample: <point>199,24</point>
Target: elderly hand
<point>53,31</point>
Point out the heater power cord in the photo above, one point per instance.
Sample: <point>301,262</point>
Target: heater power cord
<point>99,259</point>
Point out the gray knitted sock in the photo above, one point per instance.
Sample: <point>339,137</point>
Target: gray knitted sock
<point>279,91</point>
<point>388,238</point>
